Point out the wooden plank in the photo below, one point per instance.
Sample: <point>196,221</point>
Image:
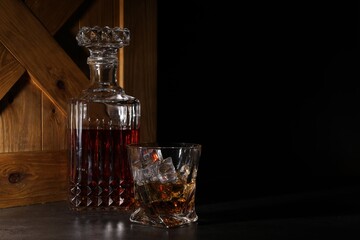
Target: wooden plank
<point>32,45</point>
<point>20,120</point>
<point>53,13</point>
<point>101,13</point>
<point>9,74</point>
<point>32,177</point>
<point>11,70</point>
<point>53,127</point>
<point>140,61</point>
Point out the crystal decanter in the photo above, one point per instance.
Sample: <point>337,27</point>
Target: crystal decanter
<point>102,120</point>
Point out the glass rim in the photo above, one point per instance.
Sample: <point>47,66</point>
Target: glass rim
<point>164,145</point>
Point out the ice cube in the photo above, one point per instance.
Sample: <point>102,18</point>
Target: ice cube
<point>144,175</point>
<point>159,170</point>
<point>166,171</point>
<point>151,156</point>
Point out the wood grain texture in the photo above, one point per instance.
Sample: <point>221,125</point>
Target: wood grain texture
<point>20,120</point>
<point>10,68</point>
<point>53,13</point>
<point>56,74</point>
<point>51,134</point>
<point>32,177</point>
<point>101,13</point>
<point>10,72</point>
<point>53,127</point>
<point>140,61</point>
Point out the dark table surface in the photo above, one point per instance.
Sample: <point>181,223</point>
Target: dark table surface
<point>328,214</point>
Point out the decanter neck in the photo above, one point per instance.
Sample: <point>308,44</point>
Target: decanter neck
<point>103,70</point>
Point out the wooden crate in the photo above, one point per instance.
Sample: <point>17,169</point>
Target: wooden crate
<point>41,66</point>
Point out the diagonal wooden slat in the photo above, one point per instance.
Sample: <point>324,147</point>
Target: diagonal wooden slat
<point>9,74</point>
<point>33,46</point>
<point>11,70</point>
<point>53,13</point>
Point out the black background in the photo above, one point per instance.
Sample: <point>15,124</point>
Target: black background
<point>270,91</point>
